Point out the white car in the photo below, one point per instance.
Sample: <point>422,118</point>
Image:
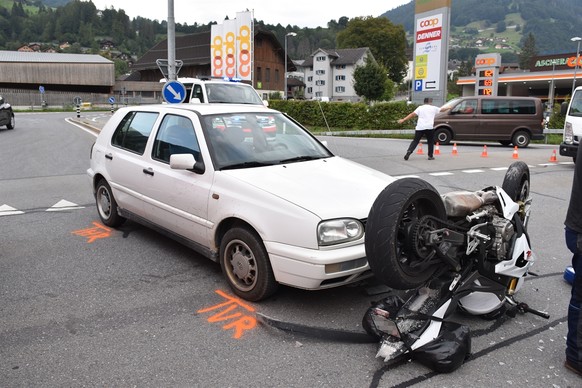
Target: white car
<point>243,185</point>
<point>219,90</point>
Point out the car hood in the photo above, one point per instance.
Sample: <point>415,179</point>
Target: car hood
<point>329,188</point>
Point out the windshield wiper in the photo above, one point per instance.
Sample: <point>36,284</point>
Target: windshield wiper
<point>303,158</point>
<point>245,165</point>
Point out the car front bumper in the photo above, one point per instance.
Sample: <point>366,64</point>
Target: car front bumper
<point>312,269</point>
<point>568,150</point>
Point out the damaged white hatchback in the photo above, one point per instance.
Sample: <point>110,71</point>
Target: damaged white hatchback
<point>246,186</point>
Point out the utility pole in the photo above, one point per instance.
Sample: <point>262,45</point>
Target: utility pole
<point>171,42</point>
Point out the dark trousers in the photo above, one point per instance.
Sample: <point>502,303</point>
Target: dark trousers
<point>418,134</point>
<point>574,338</point>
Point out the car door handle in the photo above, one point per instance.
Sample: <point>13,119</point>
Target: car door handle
<point>109,156</point>
<point>149,171</point>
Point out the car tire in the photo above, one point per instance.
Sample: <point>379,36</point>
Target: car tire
<point>396,256</point>
<point>245,264</point>
<point>520,139</point>
<point>107,205</point>
<point>12,123</point>
<point>443,136</point>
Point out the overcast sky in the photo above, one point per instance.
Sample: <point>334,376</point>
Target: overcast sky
<point>301,13</point>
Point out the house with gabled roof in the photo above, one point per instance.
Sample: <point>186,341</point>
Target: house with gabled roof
<point>329,74</point>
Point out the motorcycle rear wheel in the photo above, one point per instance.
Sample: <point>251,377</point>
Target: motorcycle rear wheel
<point>390,240</point>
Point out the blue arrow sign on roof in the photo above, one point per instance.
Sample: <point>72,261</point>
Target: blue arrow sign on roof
<point>174,92</point>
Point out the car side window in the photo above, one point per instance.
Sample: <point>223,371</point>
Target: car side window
<point>175,136</point>
<point>197,92</point>
<point>133,131</point>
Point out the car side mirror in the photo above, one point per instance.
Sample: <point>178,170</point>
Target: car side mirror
<point>186,162</point>
<point>564,108</point>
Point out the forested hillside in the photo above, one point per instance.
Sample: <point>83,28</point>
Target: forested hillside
<point>552,22</point>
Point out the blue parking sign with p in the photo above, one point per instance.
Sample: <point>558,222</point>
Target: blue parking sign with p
<point>418,85</point>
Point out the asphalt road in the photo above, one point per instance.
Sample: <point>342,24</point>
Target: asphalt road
<point>81,305</point>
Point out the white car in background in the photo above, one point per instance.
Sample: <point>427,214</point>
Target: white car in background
<point>243,185</point>
<point>219,90</point>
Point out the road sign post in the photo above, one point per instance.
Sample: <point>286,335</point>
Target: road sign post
<point>77,101</point>
<point>112,101</point>
<point>174,92</point>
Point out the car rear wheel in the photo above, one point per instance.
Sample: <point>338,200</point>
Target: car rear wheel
<point>443,136</point>
<point>245,264</point>
<point>521,139</point>
<point>106,205</point>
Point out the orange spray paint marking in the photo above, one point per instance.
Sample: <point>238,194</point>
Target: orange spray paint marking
<point>237,320</point>
<point>92,234</point>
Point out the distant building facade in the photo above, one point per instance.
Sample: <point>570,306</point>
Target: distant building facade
<point>329,74</point>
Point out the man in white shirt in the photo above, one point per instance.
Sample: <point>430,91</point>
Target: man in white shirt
<point>424,126</point>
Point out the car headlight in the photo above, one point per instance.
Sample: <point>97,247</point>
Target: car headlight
<point>339,231</point>
<point>568,133</point>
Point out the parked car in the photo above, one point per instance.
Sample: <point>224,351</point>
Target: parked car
<point>509,120</point>
<point>213,90</point>
<point>6,114</point>
<point>272,207</point>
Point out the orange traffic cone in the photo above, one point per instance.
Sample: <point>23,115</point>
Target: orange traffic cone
<point>553,158</point>
<point>437,149</point>
<point>455,152</point>
<point>419,151</point>
<point>515,155</point>
<point>484,153</point>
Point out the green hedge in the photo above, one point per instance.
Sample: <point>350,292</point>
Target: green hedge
<point>346,115</point>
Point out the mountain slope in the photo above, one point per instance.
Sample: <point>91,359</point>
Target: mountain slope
<point>552,22</point>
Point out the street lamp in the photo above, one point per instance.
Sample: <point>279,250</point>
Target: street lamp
<point>285,59</point>
<point>576,39</point>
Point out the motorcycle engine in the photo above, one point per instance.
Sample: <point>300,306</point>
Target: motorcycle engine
<point>504,231</point>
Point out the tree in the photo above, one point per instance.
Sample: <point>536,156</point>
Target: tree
<point>386,41</point>
<point>528,52</point>
<point>370,80</point>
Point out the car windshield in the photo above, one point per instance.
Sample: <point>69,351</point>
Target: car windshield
<point>232,93</point>
<point>246,140</point>
<point>576,105</point>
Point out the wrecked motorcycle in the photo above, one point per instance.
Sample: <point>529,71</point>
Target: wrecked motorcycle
<point>466,250</point>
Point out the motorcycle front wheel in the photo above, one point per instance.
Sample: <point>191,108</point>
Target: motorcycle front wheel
<point>516,181</point>
<point>395,254</point>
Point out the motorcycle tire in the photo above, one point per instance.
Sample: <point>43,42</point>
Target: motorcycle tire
<point>516,182</point>
<point>389,232</point>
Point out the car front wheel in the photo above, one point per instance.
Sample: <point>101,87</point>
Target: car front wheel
<point>245,264</point>
<point>106,205</point>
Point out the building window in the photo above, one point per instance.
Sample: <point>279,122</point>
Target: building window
<point>309,90</point>
<point>340,77</point>
<point>319,72</point>
<point>320,58</point>
<point>340,67</point>
<point>268,75</point>
<point>340,89</point>
<point>259,75</point>
<point>310,78</point>
<point>320,82</point>
<point>318,94</point>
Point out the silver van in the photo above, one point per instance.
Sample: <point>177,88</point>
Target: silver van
<point>508,120</point>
